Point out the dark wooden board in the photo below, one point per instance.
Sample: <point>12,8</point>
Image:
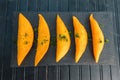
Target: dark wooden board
<point>108,56</point>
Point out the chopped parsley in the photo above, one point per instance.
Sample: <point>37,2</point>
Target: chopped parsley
<point>89,36</point>
<point>66,39</point>
<point>26,42</point>
<point>62,37</point>
<point>77,35</point>
<point>106,40</point>
<point>26,35</point>
<point>43,41</point>
<point>100,41</point>
<point>35,41</point>
<point>101,25</point>
<point>70,33</point>
<point>53,41</point>
<point>35,29</point>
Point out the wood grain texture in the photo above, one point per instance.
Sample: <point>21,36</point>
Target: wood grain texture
<point>85,72</point>
<point>42,5</point>
<point>64,5</point>
<point>83,5</point>
<point>23,3</point>
<point>32,5</point>
<point>94,72</point>
<point>74,73</point>
<point>2,22</point>
<point>53,5</point>
<point>72,5</point>
<point>64,73</point>
<point>52,73</point>
<point>20,74</point>
<point>29,73</point>
<point>42,73</point>
<point>3,7</point>
<point>106,72</point>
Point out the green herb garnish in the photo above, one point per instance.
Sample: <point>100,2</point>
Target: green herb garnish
<point>35,29</point>
<point>62,37</point>
<point>77,35</point>
<point>26,35</point>
<point>89,36</point>
<point>106,40</point>
<point>45,40</point>
<point>70,33</point>
<point>26,42</point>
<point>41,43</point>
<point>101,25</point>
<point>53,41</point>
<point>35,41</point>
<point>100,41</point>
<point>66,39</point>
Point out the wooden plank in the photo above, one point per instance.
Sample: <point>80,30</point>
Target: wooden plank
<point>93,5</point>
<point>85,72</point>
<point>64,73</point>
<point>74,73</point>
<point>7,49</point>
<point>53,5</point>
<point>106,72</point>
<point>20,74</point>
<point>2,33</point>
<point>72,5</point>
<point>110,5</point>
<point>13,74</point>
<point>94,72</point>
<point>117,19</point>
<point>64,5</point>
<point>80,72</point>
<point>118,40</point>
<point>1,71</point>
<point>42,73</point>
<point>3,7</point>
<point>101,5</point>
<point>83,5</point>
<point>12,6</point>
<point>52,73</point>
<point>32,5</point>
<point>36,73</point>
<point>115,72</point>
<point>42,5</point>
<point>29,72</point>
<point>23,5</point>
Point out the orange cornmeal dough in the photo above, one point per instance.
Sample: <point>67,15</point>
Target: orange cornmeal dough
<point>81,38</point>
<point>97,38</point>
<point>63,39</point>
<point>43,39</point>
<point>25,38</point>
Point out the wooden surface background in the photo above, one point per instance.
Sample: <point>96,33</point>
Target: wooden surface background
<point>88,72</point>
